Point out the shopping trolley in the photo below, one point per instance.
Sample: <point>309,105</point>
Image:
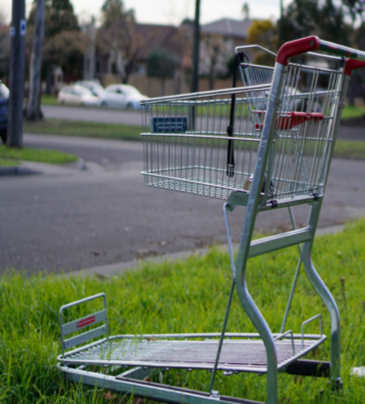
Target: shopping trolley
<point>265,145</point>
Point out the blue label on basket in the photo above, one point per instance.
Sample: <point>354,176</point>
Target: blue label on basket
<point>169,125</point>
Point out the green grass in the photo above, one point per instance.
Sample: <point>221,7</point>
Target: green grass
<point>350,149</point>
<point>84,129</point>
<point>38,155</point>
<point>187,296</point>
<point>8,162</point>
<point>352,112</point>
<point>48,99</point>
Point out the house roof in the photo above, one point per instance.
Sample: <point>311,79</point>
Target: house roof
<point>156,36</point>
<point>228,27</point>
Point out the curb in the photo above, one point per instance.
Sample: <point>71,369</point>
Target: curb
<point>107,271</point>
<point>35,168</point>
<point>17,170</point>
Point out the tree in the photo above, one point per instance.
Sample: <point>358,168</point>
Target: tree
<point>310,17</point>
<point>355,8</point>
<point>300,19</point>
<point>246,11</point>
<point>33,111</point>
<point>214,51</point>
<point>119,37</point>
<point>60,21</point>
<point>264,33</point>
<point>161,64</point>
<point>113,10</point>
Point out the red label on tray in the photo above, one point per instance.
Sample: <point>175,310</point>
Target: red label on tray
<point>86,321</point>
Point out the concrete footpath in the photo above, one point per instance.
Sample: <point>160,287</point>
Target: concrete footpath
<point>108,271</point>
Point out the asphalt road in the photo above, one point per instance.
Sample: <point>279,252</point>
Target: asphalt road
<point>119,116</point>
<point>68,219</point>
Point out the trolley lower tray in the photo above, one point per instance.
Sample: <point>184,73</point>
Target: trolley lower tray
<point>237,355</point>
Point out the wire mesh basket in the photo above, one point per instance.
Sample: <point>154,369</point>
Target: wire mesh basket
<point>207,143</point>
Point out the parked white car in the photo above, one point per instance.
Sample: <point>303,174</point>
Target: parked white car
<point>77,95</point>
<point>93,85</point>
<point>122,96</point>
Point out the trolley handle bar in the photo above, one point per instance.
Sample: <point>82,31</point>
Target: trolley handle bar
<point>352,64</point>
<point>313,43</point>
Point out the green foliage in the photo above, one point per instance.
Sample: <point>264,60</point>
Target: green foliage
<point>114,10</point>
<point>310,17</point>
<point>59,16</point>
<point>160,64</point>
<point>264,33</point>
<point>188,296</point>
<point>63,40</point>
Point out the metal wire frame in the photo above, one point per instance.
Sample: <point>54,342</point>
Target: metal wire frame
<point>236,355</point>
<point>185,139</point>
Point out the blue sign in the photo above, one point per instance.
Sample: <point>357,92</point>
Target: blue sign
<point>169,125</point>
<point>23,27</point>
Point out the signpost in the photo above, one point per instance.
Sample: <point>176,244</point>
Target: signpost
<point>16,74</point>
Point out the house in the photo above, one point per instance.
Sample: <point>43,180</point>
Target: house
<point>218,40</point>
<point>117,64</point>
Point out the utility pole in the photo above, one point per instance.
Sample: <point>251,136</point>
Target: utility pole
<point>16,75</point>
<point>194,81</point>
<point>34,112</point>
<point>281,34</point>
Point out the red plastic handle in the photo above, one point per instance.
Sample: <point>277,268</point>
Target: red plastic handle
<point>291,119</point>
<point>352,64</point>
<point>298,47</point>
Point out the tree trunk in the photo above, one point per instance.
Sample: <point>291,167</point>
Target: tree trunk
<point>34,112</point>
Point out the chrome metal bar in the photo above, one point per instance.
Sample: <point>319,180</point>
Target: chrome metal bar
<point>227,206</point>
<point>76,303</point>
<point>309,321</point>
<point>291,214</point>
<point>276,242</point>
<point>246,236</point>
<point>204,94</point>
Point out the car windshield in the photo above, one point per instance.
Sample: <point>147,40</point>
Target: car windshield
<point>4,91</point>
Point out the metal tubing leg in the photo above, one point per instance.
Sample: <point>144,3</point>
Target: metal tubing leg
<point>330,303</point>
<point>325,295</point>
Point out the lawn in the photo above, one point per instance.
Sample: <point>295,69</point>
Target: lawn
<point>48,99</point>
<point>10,156</point>
<point>352,112</point>
<point>187,296</point>
<point>84,129</point>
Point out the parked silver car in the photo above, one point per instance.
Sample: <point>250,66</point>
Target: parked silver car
<point>77,95</point>
<point>122,96</point>
<point>93,85</point>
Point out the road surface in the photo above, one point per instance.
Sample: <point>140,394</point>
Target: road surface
<point>69,219</point>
